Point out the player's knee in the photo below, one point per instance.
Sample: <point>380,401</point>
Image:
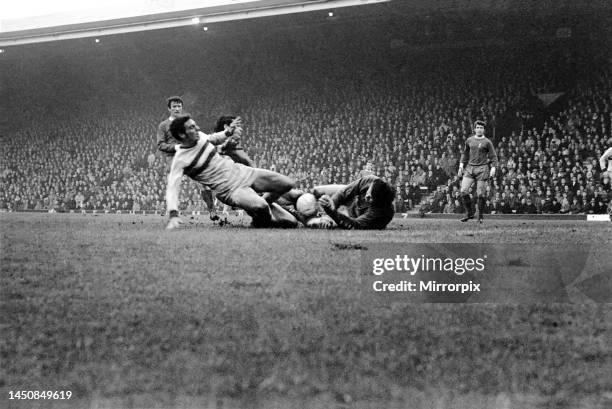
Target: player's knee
<point>282,218</point>
<point>285,183</point>
<point>259,207</point>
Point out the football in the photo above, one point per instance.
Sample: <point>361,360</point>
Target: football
<point>307,205</point>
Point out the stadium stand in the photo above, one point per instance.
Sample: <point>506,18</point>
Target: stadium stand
<point>88,141</point>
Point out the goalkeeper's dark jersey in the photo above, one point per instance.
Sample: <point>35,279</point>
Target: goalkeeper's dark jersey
<point>362,215</point>
<point>478,152</point>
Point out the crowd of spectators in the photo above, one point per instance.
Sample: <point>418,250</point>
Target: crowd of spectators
<point>410,124</point>
<point>553,168</point>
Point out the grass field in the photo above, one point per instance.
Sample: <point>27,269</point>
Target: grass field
<point>127,315</point>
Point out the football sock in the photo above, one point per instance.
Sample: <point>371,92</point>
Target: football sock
<point>481,203</point>
<point>208,199</point>
<point>261,217</point>
<point>467,203</point>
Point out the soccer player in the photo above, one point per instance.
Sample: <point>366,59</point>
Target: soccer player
<point>365,204</point>
<point>478,162</point>
<point>235,184</point>
<point>232,148</point>
<point>166,144</point>
<point>606,157</point>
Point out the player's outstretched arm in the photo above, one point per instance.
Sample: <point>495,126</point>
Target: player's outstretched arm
<point>350,191</point>
<point>492,157</point>
<point>343,221</point>
<point>233,132</point>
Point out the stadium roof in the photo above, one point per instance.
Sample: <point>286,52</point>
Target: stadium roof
<point>143,15</point>
<point>150,15</point>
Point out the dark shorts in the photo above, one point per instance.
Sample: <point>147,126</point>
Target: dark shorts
<point>477,172</point>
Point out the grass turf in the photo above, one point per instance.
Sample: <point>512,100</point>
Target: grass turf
<point>125,314</point>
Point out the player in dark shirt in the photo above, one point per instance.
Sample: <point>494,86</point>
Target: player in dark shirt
<point>365,204</point>
<point>232,148</point>
<point>478,162</point>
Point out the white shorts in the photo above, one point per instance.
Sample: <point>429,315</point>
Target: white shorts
<point>224,176</point>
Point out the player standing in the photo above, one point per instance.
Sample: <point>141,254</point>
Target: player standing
<point>166,144</point>
<point>480,161</point>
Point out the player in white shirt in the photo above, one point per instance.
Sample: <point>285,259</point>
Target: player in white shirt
<point>234,184</point>
<point>606,157</point>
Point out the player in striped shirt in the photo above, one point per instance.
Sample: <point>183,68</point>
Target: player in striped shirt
<point>234,183</point>
<point>478,162</point>
<point>166,144</point>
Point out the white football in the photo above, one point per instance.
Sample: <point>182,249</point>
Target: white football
<point>307,205</point>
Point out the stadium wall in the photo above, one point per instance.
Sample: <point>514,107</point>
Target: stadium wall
<point>585,217</point>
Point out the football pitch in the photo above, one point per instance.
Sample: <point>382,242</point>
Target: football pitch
<point>124,314</point>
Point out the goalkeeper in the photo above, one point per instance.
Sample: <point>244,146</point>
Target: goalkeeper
<point>365,204</point>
